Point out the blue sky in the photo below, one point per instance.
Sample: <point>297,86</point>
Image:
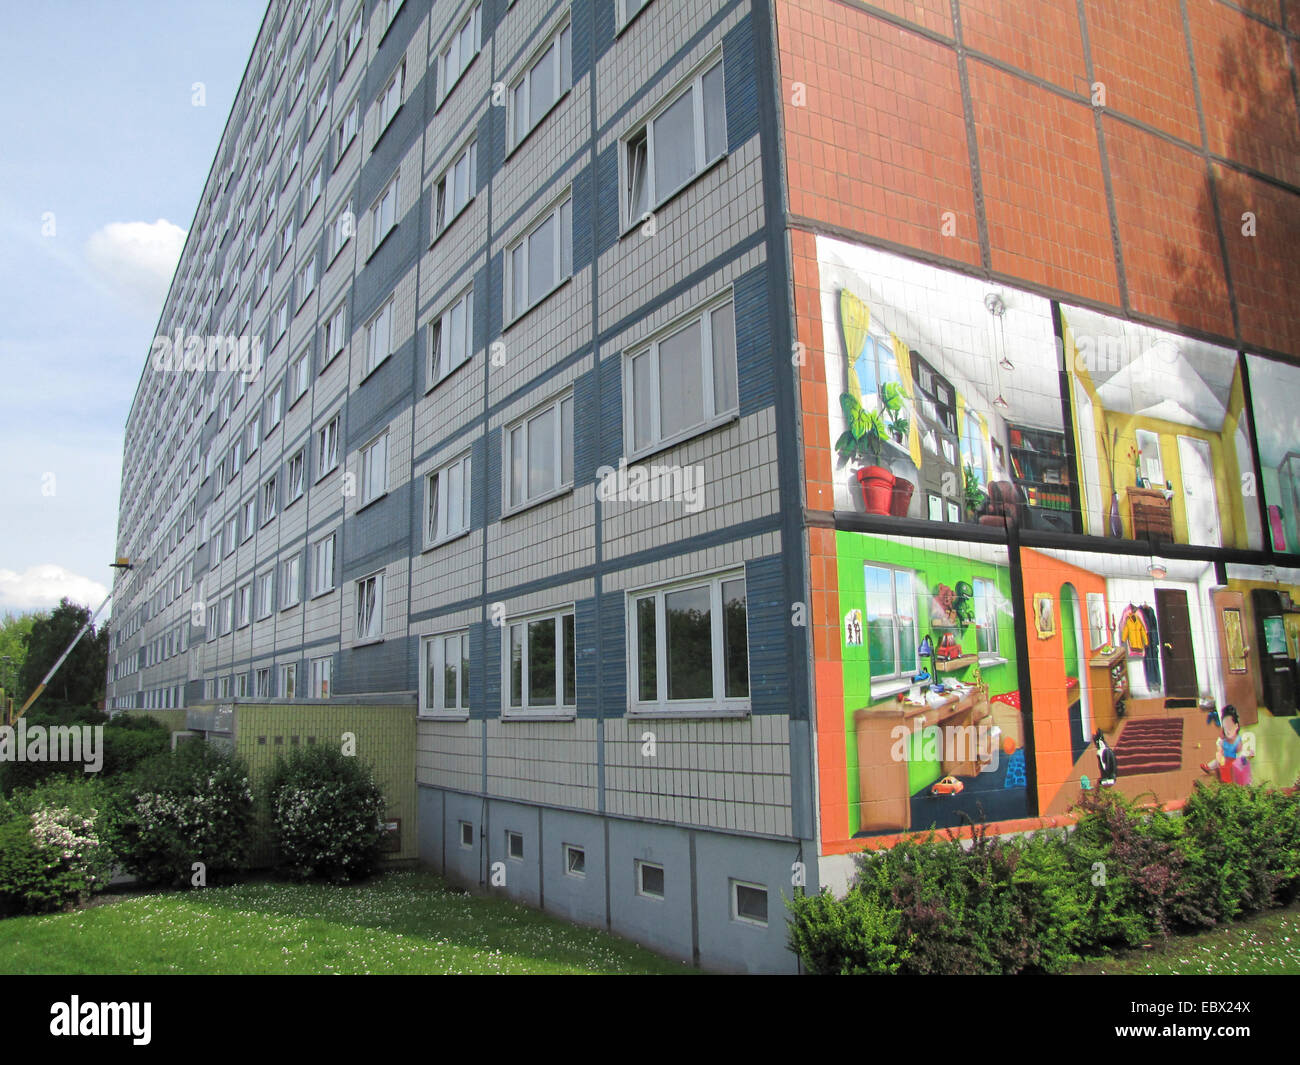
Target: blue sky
<point>103,157</point>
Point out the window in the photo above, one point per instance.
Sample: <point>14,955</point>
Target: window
<point>214,621</point>
<point>391,98</point>
<point>391,8</point>
<point>321,102</point>
<point>455,188</point>
<point>270,499</point>
<point>225,408</point>
<point>265,598</point>
<point>322,672</point>
<point>290,582</point>
<point>264,278</point>
<point>299,377</point>
<point>515,845</point>
<point>466,834</point>
<point>215,559</point>
<point>323,565</point>
<point>295,154</point>
<point>262,683</point>
<point>341,230</point>
<point>289,681</point>
<point>275,407</point>
<point>446,674</point>
<point>539,662</point>
<point>346,131</point>
<point>223,688</point>
<point>314,185</point>
<point>649,880</point>
<point>451,338</point>
<point>327,448</point>
<point>250,516</point>
<point>629,9</point>
<point>575,861</point>
<point>253,435</point>
<point>986,617</point>
<point>370,607</point>
<point>541,259</point>
<point>374,469</point>
<point>243,604</point>
<point>749,903</point>
<point>335,336</point>
<point>446,501</point>
<point>281,319</point>
<point>683,382</point>
<point>306,280</point>
<point>232,534</point>
<point>241,685</point>
<point>383,215</point>
<point>352,38</point>
<point>891,621</point>
<point>379,336</point>
<point>295,476</point>
<point>286,238</point>
<point>541,86</point>
<point>460,50</point>
<point>227,614</point>
<point>690,647</point>
<point>675,145</point>
<point>540,454</point>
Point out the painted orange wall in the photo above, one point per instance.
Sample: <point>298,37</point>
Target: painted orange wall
<point>1051,715</point>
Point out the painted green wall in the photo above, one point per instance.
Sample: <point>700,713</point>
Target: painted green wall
<point>932,568</point>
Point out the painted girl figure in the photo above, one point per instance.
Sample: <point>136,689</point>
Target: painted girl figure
<point>1232,758</point>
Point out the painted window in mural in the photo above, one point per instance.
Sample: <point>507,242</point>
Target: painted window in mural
<point>942,393</point>
<point>934,734</point>
<point>1274,394</point>
<point>1164,452</point>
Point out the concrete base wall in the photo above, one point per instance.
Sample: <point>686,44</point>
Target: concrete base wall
<point>693,920</point>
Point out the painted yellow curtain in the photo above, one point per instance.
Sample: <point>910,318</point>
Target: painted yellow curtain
<point>988,447</point>
<point>961,429</point>
<point>854,319</point>
<point>902,358</point>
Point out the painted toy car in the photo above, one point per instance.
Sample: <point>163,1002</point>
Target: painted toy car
<point>948,786</point>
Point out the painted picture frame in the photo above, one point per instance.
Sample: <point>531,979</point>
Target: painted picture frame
<point>1044,615</point>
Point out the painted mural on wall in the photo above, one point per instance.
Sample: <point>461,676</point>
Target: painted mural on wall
<point>1160,434</point>
<point>942,394</point>
<point>1274,388</point>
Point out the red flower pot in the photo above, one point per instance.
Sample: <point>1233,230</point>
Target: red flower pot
<point>877,488</point>
<point>901,497</point>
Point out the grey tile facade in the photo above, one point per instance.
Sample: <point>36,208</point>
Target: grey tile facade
<point>726,791</point>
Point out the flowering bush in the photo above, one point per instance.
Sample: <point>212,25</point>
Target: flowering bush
<point>50,859</point>
<point>194,804</point>
<point>326,815</point>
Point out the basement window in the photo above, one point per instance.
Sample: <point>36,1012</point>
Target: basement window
<point>649,880</point>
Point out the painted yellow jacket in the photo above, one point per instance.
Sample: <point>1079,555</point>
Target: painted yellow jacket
<point>1134,633</point>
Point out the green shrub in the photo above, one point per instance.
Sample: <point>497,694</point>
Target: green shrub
<point>326,814</point>
<point>190,805</point>
<point>852,936</point>
<point>50,858</point>
<point>131,741</point>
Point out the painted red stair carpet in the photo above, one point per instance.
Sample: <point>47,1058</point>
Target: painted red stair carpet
<point>1150,745</point>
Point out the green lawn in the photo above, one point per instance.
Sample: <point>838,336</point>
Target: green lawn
<point>1268,944</point>
<point>405,922</point>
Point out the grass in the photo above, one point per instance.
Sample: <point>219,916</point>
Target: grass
<point>403,922</point>
<point>1267,944</point>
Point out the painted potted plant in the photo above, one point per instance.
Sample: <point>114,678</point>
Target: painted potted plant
<point>976,497</point>
<point>861,441</point>
<point>891,411</point>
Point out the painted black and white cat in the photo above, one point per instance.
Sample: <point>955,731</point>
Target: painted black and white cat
<point>1106,760</point>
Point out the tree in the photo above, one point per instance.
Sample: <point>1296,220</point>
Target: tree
<point>81,679</point>
<point>14,629</point>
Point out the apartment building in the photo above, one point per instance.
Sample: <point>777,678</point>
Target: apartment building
<point>650,393</point>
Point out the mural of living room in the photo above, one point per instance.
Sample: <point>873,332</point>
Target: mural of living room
<point>1148,675</point>
<point>943,394</point>
<point>1273,388</point>
<point>934,733</point>
<point>1160,434</point>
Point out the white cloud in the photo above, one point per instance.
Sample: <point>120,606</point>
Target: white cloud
<point>137,260</point>
<point>41,587</point>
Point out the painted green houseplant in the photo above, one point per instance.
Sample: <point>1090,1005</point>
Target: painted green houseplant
<point>865,433</point>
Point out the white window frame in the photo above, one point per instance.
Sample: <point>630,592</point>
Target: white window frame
<point>374,356</point>
<point>334,335</point>
<point>447,207</point>
<point>514,836</point>
<point>562,257</point>
<point>315,186</point>
<point>447,80</point>
<point>243,605</point>
<point>288,680</point>
<point>570,849</point>
<point>346,131</point>
<point>341,230</point>
<point>296,486</point>
<point>718,704</point>
<point>306,280</point>
<point>986,597</point>
<point>444,359</point>
<point>322,677</point>
<point>262,683</point>
<point>369,627</point>
<point>734,890</point>
<point>352,38</point>
<point>563,455</point>
<point>566,702</point>
<point>561,39</point>
<point>372,470</point>
<point>248,517</point>
<point>264,595</point>
<point>327,448</point>
<point>322,549</point>
<point>290,581</point>
<point>389,101</point>
<point>655,197</point>
<point>437,488</point>
<point>638,867</point>
<point>713,414</point>
<point>275,406</point>
<point>270,499</point>
<point>433,661</point>
<point>383,213</point>
<point>623,18</point>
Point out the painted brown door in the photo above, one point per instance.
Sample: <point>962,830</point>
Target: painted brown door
<point>1176,654</point>
<point>1236,658</point>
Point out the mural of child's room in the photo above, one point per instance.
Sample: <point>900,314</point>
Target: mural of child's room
<point>1273,390</point>
<point>1160,434</point>
<point>934,732</point>
<point>1145,677</point>
<point>942,394</point>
